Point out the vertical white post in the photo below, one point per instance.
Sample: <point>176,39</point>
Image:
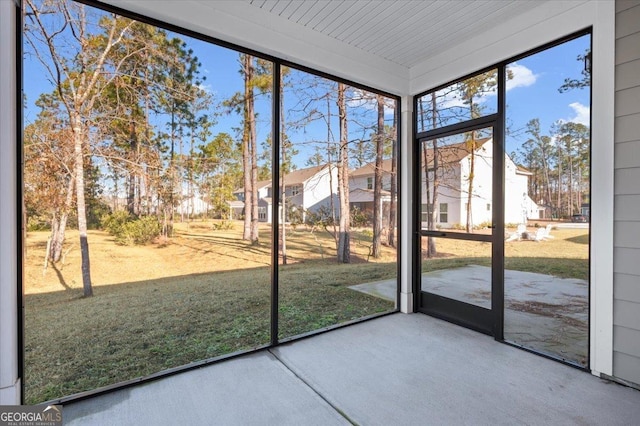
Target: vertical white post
<point>406,185</point>
<point>602,189</point>
<point>9,380</point>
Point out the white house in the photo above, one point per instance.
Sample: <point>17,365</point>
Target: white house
<point>361,183</point>
<point>453,173</point>
<point>236,207</point>
<point>308,189</point>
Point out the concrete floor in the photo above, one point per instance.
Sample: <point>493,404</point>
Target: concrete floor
<point>398,369</point>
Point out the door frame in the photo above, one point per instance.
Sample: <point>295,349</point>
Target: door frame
<point>498,247</point>
<point>487,321</point>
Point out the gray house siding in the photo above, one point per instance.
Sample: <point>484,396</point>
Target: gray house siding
<point>626,280</point>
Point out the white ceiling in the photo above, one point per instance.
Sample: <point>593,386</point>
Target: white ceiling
<point>404,32</point>
<point>398,46</point>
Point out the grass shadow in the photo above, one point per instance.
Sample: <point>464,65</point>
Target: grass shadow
<point>135,329</point>
<point>61,279</point>
<point>580,239</point>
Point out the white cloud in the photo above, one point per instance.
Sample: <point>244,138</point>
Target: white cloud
<point>581,112</point>
<point>367,100</point>
<point>205,88</point>
<point>522,76</point>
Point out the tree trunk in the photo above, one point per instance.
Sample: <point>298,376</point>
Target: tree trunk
<point>254,153</point>
<point>59,225</point>
<point>571,200</point>
<point>432,199</point>
<point>246,156</point>
<point>131,181</point>
<point>472,167</point>
<point>344,249</point>
<point>394,186</point>
<point>78,142</point>
<point>545,164</point>
<point>330,161</point>
<point>559,204</point>
<point>283,160</point>
<point>377,183</point>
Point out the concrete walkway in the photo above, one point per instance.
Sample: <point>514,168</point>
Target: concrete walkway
<point>398,369</point>
<point>542,312</point>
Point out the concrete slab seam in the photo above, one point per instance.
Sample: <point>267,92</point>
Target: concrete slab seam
<point>314,390</point>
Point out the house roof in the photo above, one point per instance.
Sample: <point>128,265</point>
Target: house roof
<point>296,177</point>
<point>300,176</point>
<point>361,195</point>
<point>453,153</point>
<point>522,170</point>
<point>261,184</point>
<point>369,169</point>
<point>235,204</point>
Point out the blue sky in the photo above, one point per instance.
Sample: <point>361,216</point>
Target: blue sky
<point>536,95</point>
<point>533,92</point>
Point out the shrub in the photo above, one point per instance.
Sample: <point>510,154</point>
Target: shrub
<point>321,217</point>
<point>483,225</point>
<point>223,225</point>
<point>368,233</point>
<point>358,218</point>
<point>138,232</point>
<point>113,223</point>
<point>294,215</point>
<point>37,223</point>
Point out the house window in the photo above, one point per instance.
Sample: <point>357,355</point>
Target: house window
<point>444,212</point>
<point>262,214</point>
<point>295,190</point>
<point>369,183</point>
<point>425,213</point>
<point>488,207</point>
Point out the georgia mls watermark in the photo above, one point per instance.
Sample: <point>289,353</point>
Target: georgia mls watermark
<point>30,415</point>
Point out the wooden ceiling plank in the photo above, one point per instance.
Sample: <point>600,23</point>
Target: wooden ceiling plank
<point>282,6</point>
<point>340,14</point>
<point>366,12</point>
<point>415,23</point>
<point>401,31</point>
<point>298,11</point>
<point>322,11</point>
<point>442,28</point>
<point>377,19</point>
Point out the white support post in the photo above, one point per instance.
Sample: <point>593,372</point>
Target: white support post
<point>602,189</point>
<point>9,380</point>
<point>406,183</point>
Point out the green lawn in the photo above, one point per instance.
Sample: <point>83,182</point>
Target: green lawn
<point>206,293</point>
<point>564,256</point>
<point>202,295</point>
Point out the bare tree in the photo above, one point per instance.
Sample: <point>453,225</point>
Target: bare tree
<point>249,153</point>
<point>470,90</point>
<point>48,173</point>
<point>377,181</point>
<point>432,183</point>
<point>393,188</point>
<point>78,80</point>
<point>344,249</point>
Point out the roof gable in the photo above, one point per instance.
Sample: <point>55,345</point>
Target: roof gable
<point>300,176</point>
<point>453,153</point>
<point>370,168</point>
